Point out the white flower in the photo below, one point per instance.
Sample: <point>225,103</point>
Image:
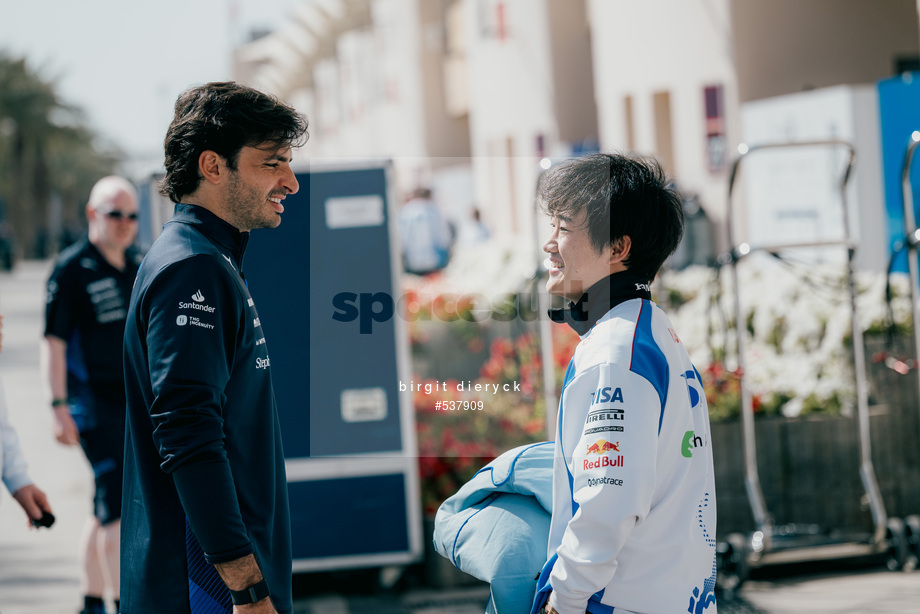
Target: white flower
<point>801,323</point>
<point>486,273</point>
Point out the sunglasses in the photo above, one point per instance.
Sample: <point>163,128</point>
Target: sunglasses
<point>115,214</point>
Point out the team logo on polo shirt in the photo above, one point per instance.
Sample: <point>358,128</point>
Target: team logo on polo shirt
<point>604,429</point>
<point>107,300</point>
<point>691,442</point>
<point>694,387</point>
<point>198,305</point>
<point>601,447</point>
<point>605,415</point>
<point>607,394</point>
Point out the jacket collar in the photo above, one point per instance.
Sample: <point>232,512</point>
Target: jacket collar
<point>599,299</point>
<point>217,230</point>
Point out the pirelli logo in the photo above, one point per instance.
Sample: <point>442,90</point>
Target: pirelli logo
<point>605,415</point>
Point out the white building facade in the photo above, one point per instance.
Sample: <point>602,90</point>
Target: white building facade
<point>467,96</point>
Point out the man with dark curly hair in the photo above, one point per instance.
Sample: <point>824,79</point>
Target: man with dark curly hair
<point>205,518</point>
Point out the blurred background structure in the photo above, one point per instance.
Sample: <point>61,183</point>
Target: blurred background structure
<point>471,94</point>
<point>467,96</point>
<point>48,163</point>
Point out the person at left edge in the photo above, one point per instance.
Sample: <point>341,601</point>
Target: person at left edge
<point>87,301</point>
<point>206,524</point>
<point>14,471</point>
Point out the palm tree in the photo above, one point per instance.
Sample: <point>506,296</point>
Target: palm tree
<point>45,149</point>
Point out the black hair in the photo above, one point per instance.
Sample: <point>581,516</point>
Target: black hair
<point>621,195</point>
<point>223,118</point>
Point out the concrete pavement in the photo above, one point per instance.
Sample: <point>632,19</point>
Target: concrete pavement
<point>840,592</point>
<point>39,572</point>
<point>38,569</point>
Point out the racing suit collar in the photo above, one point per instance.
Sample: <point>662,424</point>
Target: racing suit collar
<point>223,233</point>
<point>599,299</point>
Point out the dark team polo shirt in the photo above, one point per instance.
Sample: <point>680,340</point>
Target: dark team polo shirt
<point>87,305</point>
<point>203,441</point>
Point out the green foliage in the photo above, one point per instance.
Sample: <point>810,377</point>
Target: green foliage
<point>772,405</point>
<point>722,388</point>
<point>883,328</point>
<point>46,150</point>
<point>675,298</point>
<point>814,405</point>
<point>777,334</point>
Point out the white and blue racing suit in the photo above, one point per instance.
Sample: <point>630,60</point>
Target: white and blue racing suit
<point>634,511</point>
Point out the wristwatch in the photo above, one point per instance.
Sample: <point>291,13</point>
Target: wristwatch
<point>256,592</point>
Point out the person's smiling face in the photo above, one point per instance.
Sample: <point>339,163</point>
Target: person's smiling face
<point>263,177</point>
<point>575,266</point>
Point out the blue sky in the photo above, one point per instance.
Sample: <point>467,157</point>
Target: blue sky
<point>125,61</point>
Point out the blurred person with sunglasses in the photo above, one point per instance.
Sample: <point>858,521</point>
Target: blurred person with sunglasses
<point>87,301</point>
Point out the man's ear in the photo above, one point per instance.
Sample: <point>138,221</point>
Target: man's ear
<point>619,251</point>
<point>211,166</point>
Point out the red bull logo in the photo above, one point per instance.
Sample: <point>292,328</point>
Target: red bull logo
<point>600,446</point>
<point>604,461</point>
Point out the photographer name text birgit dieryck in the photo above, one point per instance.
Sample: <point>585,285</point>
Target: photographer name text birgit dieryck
<point>436,386</point>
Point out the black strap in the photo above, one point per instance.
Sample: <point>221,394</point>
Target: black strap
<point>599,299</point>
<point>256,592</point>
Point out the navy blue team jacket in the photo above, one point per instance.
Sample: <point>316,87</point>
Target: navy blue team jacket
<point>204,470</point>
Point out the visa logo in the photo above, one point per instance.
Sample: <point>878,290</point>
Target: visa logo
<point>607,394</point>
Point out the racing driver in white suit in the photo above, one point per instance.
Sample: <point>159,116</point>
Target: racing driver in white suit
<point>634,508</point>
